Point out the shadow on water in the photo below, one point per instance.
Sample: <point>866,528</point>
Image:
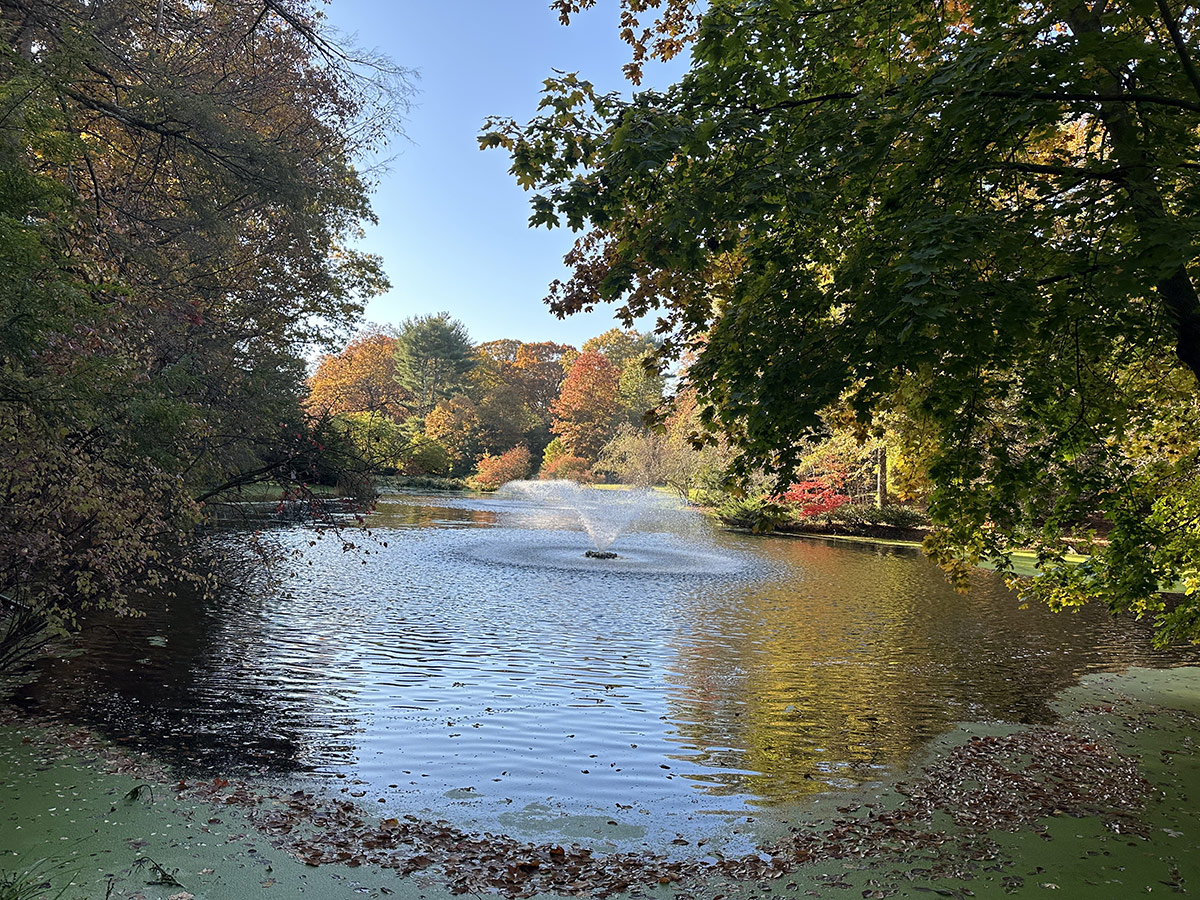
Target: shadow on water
<point>190,683</point>
<point>456,672</point>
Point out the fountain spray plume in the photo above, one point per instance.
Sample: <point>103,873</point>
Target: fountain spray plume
<point>604,513</point>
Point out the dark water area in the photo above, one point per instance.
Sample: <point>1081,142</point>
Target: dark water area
<point>477,668</point>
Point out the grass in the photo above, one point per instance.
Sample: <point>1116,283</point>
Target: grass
<point>30,883</point>
<point>267,492</point>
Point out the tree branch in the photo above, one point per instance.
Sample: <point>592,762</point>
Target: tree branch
<point>1061,171</point>
<point>1090,97</point>
<point>1181,50</point>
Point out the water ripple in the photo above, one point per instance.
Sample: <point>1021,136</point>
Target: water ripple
<point>480,669</point>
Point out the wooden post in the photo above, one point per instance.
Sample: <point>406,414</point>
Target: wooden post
<point>881,489</point>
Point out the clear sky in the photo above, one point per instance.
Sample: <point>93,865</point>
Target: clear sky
<point>453,225</point>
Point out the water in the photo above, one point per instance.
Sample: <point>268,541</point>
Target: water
<point>478,669</point>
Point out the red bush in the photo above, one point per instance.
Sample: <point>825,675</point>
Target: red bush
<point>571,468</point>
<point>815,496</point>
<point>510,465</point>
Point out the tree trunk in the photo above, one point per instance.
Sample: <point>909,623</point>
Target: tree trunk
<point>1176,290</point>
<point>881,487</point>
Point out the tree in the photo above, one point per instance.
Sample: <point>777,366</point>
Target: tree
<point>540,372</point>
<point>433,355</point>
<point>640,388</point>
<point>176,199</point>
<point>359,387</point>
<point>586,413</point>
<point>637,456</point>
<point>980,218</point>
<point>513,384</point>
<point>454,424</point>
<point>359,379</point>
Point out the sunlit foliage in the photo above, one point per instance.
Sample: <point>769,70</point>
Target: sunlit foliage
<point>979,219</point>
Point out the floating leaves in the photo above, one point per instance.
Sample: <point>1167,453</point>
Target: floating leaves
<point>940,829</point>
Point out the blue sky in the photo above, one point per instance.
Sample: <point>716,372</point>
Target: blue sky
<point>453,229</point>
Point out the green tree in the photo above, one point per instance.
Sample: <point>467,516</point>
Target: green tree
<point>979,217</point>
<point>176,195</point>
<point>433,356</point>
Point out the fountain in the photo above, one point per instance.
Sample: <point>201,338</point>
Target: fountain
<point>604,514</point>
<point>657,533</point>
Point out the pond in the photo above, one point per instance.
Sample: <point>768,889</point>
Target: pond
<point>473,667</point>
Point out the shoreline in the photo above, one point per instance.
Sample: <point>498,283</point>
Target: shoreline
<point>989,803</point>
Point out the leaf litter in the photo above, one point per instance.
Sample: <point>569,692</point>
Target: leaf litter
<point>937,828</point>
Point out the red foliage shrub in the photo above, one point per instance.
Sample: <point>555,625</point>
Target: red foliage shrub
<point>510,465</point>
<point>568,467</point>
<point>815,496</point>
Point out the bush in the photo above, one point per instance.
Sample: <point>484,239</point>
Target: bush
<point>510,465</point>
<point>816,496</point>
<point>423,483</point>
<point>868,514</point>
<point>902,516</point>
<point>567,467</point>
<point>852,514</point>
<point>759,514</point>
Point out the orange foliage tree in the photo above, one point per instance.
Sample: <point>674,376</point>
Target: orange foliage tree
<point>362,378</point>
<point>539,367</point>
<point>586,411</point>
<point>454,423</point>
<point>513,385</point>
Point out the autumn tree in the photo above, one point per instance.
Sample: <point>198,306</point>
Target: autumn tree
<point>454,423</point>
<point>640,385</point>
<point>361,378</point>
<point>586,411</point>
<point>980,216</point>
<point>177,199</point>
<point>513,385</point>
<point>540,372</point>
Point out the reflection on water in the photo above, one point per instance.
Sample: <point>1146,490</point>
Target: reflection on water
<point>849,665</point>
<point>456,674</point>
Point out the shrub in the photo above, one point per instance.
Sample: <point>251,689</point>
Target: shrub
<point>422,483</point>
<point>567,467</point>
<point>510,465</point>
<point>759,514</point>
<point>902,516</point>
<point>868,514</point>
<point>815,496</point>
<point>852,514</point>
